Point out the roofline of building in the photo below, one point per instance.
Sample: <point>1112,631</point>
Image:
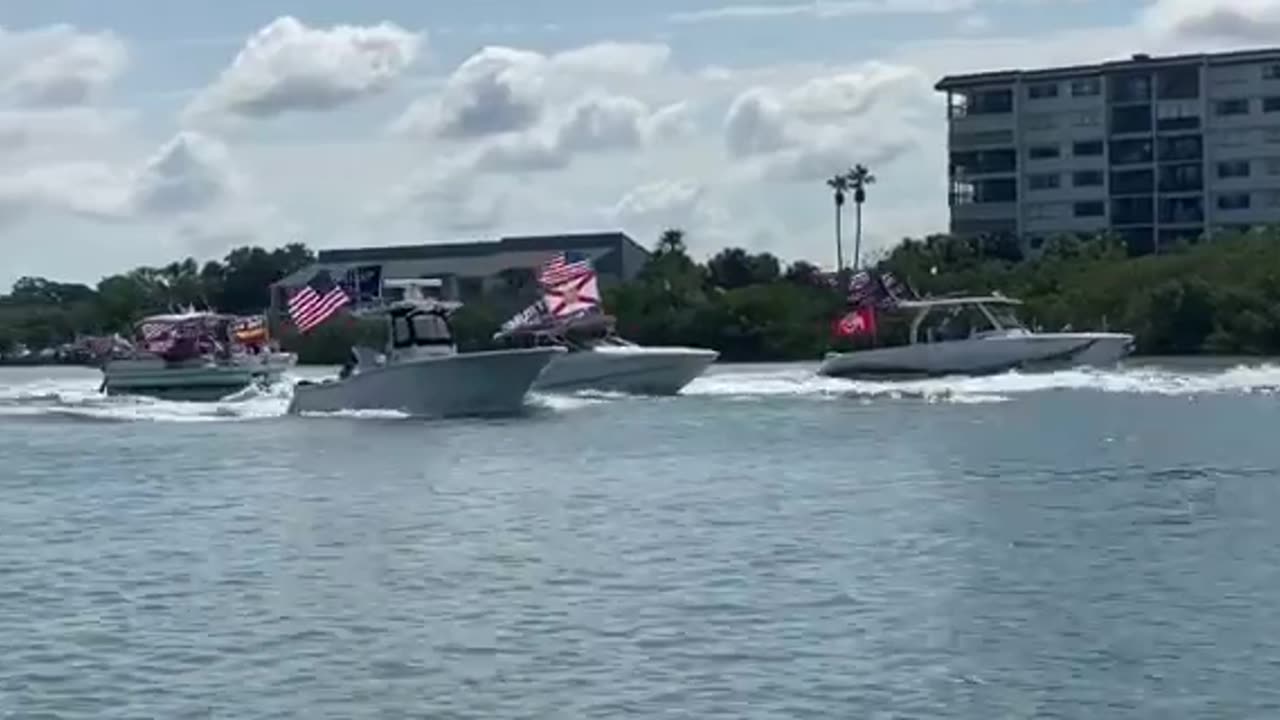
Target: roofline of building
<point>951,82</point>
<point>515,243</point>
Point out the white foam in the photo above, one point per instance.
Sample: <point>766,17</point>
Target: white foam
<point>1240,379</point>
<point>77,396</point>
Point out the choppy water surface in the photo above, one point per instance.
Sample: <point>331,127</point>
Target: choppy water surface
<point>771,545</point>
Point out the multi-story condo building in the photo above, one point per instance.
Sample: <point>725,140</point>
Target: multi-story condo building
<point>1155,149</point>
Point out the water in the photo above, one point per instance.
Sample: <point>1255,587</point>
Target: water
<point>772,545</point>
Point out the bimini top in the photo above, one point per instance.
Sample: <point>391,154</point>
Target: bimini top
<point>995,299</point>
<point>186,317</point>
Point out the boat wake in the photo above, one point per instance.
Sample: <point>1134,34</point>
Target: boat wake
<point>1240,379</point>
<point>79,399</point>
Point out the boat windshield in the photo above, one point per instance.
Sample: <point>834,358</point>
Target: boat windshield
<point>954,322</point>
<point>431,328</point>
<point>1007,316</point>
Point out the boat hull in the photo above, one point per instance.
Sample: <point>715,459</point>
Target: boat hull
<point>465,384</point>
<point>982,356</point>
<point>632,370</point>
<point>193,380</point>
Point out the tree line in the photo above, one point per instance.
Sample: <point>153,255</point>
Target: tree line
<point>1221,296</point>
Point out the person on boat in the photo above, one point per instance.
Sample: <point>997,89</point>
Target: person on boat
<point>349,366</point>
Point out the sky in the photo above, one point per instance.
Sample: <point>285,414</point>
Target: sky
<point>138,132</point>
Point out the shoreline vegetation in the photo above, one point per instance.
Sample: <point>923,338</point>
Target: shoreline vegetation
<point>1220,297</point>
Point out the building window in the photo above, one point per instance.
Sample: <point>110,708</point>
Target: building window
<point>1271,135</point>
<point>1130,88</point>
<point>1272,165</point>
<point>1041,121</point>
<point>1044,181</point>
<point>1092,208</point>
<point>1086,87</point>
<point>996,191</point>
<point>1235,106</point>
<point>1181,178</point>
<point>1269,198</point>
<point>1131,152</point>
<point>1131,119</point>
<point>1041,91</point>
<point>1271,71</point>
<point>1231,139</point>
<point>1178,83</point>
<point>1088,118</point>
<point>1271,104</point>
<point>1087,148</point>
<point>1043,152</point>
<point>1233,201</point>
<point>1233,169</point>
<point>1184,147</point>
<point>989,102</point>
<point>979,162</point>
<point>1086,178</point>
<point>1132,211</point>
<point>1133,182</point>
<point>1182,210</point>
<point>1178,116</point>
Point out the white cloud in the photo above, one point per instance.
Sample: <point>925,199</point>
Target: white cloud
<point>503,90</point>
<point>670,123</point>
<point>494,91</point>
<point>28,129</point>
<point>189,174</point>
<point>614,58</point>
<point>596,123</point>
<point>663,203</point>
<point>58,66</point>
<point>447,197</point>
<point>603,123</point>
<point>529,152</point>
<point>873,114</point>
<point>290,67</point>
<point>1233,21</point>
<point>823,9</point>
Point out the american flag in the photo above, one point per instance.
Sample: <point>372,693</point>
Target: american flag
<point>563,267</point>
<point>314,302</point>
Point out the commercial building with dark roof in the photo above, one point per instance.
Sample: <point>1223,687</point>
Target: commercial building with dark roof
<point>474,270</point>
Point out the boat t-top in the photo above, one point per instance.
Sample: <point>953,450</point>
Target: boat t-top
<point>598,359</point>
<point>193,355</point>
<point>972,335</point>
<point>420,372</point>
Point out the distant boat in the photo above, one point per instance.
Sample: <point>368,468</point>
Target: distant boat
<point>421,372</point>
<point>599,359</point>
<point>976,335</point>
<point>193,356</point>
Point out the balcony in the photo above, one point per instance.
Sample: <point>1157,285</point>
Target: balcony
<point>1132,211</point>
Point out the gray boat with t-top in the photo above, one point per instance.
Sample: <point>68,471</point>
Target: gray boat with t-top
<point>421,373</point>
<point>973,336</point>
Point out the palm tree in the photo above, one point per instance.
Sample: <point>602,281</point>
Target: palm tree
<point>840,185</point>
<point>671,242</point>
<point>858,178</point>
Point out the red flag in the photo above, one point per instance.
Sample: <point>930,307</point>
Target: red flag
<point>857,322</point>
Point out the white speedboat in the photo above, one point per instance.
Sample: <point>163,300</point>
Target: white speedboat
<point>599,360</point>
<point>973,336</point>
<point>193,356</point>
<point>421,373</point>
